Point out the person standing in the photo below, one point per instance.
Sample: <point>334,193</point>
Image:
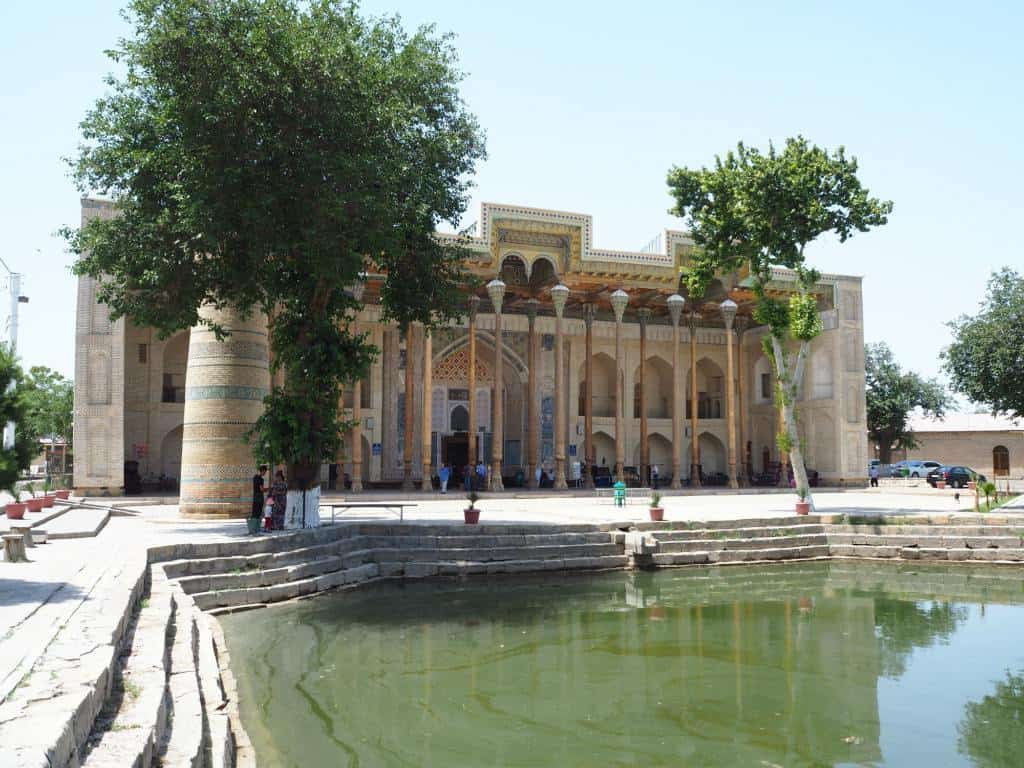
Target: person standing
<point>279,493</point>
<point>481,475</point>
<point>873,472</point>
<point>258,497</point>
<point>443,474</point>
<point>655,476</point>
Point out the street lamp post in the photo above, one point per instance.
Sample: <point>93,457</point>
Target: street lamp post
<point>12,328</point>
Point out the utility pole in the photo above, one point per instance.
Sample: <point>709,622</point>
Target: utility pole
<point>14,283</point>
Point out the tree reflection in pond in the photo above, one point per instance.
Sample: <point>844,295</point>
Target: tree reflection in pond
<point>992,731</point>
<point>903,625</point>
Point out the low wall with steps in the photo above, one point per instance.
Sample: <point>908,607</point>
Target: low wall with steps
<point>151,683</point>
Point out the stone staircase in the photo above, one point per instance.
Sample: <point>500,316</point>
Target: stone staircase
<point>359,554</point>
<point>983,541</point>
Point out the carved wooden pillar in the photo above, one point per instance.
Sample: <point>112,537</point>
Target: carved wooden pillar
<point>675,307</point>
<point>496,290</point>
<point>619,301</point>
<point>728,308</point>
<point>533,423</point>
<point>744,468</point>
<point>588,400</point>
<point>694,440</point>
<point>357,438</point>
<point>428,402</point>
<point>410,392</point>
<point>474,305</point>
<point>559,295</point>
<point>645,452</point>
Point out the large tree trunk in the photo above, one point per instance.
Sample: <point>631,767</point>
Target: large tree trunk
<point>790,376</point>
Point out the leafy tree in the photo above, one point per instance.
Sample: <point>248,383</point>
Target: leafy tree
<point>50,400</point>
<point>14,407</point>
<point>267,155</point>
<point>891,395</point>
<point>759,210</point>
<point>986,357</point>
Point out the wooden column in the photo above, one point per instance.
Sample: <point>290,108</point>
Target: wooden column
<point>745,468</point>
<point>694,441</point>
<point>728,314</point>
<point>645,452</point>
<point>357,438</point>
<point>533,423</point>
<point>559,294</point>
<point>409,409</point>
<point>675,306</point>
<point>474,305</point>
<point>619,300</point>
<point>588,400</point>
<point>497,400</point>
<point>428,401</point>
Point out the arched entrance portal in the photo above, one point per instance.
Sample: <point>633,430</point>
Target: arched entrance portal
<point>170,454</point>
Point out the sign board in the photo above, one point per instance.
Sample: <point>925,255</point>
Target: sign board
<point>376,449</point>
<point>572,449</point>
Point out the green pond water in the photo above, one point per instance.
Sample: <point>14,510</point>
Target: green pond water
<point>791,665</point>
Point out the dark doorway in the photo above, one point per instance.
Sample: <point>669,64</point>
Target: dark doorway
<point>455,452</point>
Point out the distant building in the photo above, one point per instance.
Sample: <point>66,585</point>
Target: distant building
<point>992,445</point>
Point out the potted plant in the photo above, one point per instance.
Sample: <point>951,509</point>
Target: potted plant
<point>803,507</point>
<point>657,511</point>
<point>471,514</point>
<point>940,483</point>
<point>15,511</point>
<point>35,504</point>
<point>48,498</point>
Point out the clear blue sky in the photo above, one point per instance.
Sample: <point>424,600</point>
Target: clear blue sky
<point>587,104</point>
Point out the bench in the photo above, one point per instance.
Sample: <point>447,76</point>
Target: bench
<point>632,494</point>
<point>391,506</point>
<point>14,548</point>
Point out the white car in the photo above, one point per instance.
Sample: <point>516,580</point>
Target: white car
<point>914,467</point>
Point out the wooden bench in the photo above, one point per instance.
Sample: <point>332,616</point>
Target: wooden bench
<point>391,506</point>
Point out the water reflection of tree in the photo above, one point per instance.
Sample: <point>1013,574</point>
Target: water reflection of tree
<point>903,625</point>
<point>992,731</point>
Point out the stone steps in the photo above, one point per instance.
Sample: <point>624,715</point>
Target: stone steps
<point>722,544</point>
<point>286,590</point>
<point>923,540</point>
<point>929,530</point>
<point>988,555</point>
<point>129,730</point>
<point>719,525</point>
<point>478,541</point>
<point>272,576</point>
<point>723,557</point>
<point>759,532</point>
<point>183,743</point>
<point>486,554</point>
<point>206,566</point>
<point>419,570</point>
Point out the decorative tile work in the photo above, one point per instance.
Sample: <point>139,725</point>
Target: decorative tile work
<point>225,392</point>
<point>455,367</point>
<point>233,348</point>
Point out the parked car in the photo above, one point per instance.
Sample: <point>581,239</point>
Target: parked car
<point>955,476</point>
<point>914,467</point>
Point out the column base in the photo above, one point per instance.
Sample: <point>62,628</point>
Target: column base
<point>531,480</point>
<point>495,482</point>
<point>428,483</point>
<point>357,485</point>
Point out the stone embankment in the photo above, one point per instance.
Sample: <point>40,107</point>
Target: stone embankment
<point>142,676</point>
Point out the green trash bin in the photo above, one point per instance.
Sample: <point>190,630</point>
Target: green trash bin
<point>620,494</point>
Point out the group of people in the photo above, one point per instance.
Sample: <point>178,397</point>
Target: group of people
<point>268,504</point>
<point>473,478</point>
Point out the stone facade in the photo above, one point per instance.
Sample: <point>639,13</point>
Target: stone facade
<point>138,382</point>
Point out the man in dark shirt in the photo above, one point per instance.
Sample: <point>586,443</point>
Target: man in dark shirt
<point>258,499</point>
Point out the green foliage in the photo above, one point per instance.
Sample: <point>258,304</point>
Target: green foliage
<point>891,395</point>
<point>473,497</point>
<point>655,499</point>
<point>50,400</point>
<point>15,461</point>
<point>784,441</point>
<point>267,155</point>
<point>986,357</point>
<point>801,493</point>
<point>988,488</point>
<point>804,318</point>
<point>761,210</point>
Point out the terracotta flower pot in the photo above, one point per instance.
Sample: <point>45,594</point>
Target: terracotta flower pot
<point>48,501</point>
<point>36,504</point>
<point>971,485</point>
<point>657,513</point>
<point>471,515</point>
<point>15,511</point>
<point>940,484</point>
<point>64,495</point>
<point>803,507</point>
